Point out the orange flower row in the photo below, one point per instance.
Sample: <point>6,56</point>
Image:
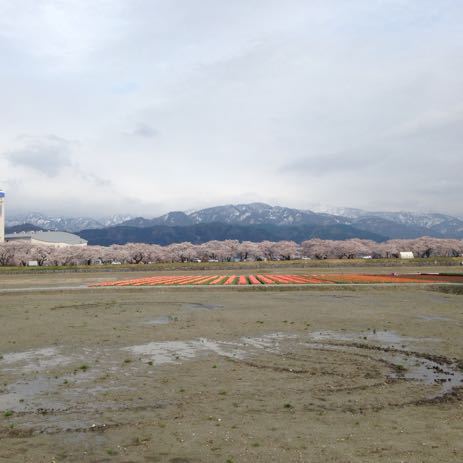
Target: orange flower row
<point>277,279</point>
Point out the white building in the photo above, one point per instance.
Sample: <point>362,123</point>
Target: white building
<point>406,255</point>
<point>48,238</point>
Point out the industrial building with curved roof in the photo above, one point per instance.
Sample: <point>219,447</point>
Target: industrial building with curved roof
<point>48,238</point>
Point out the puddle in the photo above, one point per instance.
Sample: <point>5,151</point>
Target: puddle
<point>167,351</point>
<point>431,318</point>
<point>429,372</point>
<point>34,360</point>
<point>407,366</point>
<point>30,355</point>
<point>163,320</point>
<point>380,336</point>
<point>41,392</point>
<point>200,306</point>
<point>18,396</point>
<point>269,342</point>
<point>27,392</point>
<point>176,351</point>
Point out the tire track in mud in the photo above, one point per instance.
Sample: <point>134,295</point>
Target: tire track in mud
<point>288,354</point>
<point>444,371</point>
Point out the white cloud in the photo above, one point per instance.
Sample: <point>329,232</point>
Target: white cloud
<point>185,104</point>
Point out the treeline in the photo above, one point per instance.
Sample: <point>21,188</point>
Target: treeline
<point>202,233</point>
<point>20,254</point>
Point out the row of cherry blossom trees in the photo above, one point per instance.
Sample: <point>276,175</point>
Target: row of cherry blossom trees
<point>20,254</point>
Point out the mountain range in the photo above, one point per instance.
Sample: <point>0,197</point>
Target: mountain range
<point>254,222</point>
<point>59,223</point>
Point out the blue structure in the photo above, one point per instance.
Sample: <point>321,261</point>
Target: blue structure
<point>2,216</point>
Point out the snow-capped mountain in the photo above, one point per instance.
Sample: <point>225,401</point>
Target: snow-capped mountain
<point>417,219</point>
<point>113,220</point>
<point>401,224</point>
<point>348,212</point>
<point>427,220</point>
<point>258,213</point>
<point>240,214</point>
<point>70,224</point>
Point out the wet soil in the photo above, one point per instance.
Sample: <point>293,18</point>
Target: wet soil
<point>153,375</point>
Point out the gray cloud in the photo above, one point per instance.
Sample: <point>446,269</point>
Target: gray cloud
<point>144,130</point>
<point>95,180</point>
<point>47,155</point>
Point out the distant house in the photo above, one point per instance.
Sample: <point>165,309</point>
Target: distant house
<point>406,255</point>
<point>47,238</point>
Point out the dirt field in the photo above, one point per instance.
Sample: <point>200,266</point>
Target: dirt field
<point>181,375</point>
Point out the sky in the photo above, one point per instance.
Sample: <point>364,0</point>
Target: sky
<point>147,106</point>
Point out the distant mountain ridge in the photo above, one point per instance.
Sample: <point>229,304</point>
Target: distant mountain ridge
<point>23,228</point>
<point>69,224</point>
<point>407,224</point>
<point>382,225</point>
<point>426,220</point>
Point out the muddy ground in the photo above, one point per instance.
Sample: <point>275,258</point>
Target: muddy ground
<point>193,375</point>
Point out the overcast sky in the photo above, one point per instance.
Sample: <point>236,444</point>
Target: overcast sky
<point>146,106</point>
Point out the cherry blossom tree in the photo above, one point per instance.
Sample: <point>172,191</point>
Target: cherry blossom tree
<point>19,253</point>
<point>316,248</point>
<point>248,250</point>
<point>285,250</point>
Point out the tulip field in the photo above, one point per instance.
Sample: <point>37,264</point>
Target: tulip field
<point>279,279</point>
